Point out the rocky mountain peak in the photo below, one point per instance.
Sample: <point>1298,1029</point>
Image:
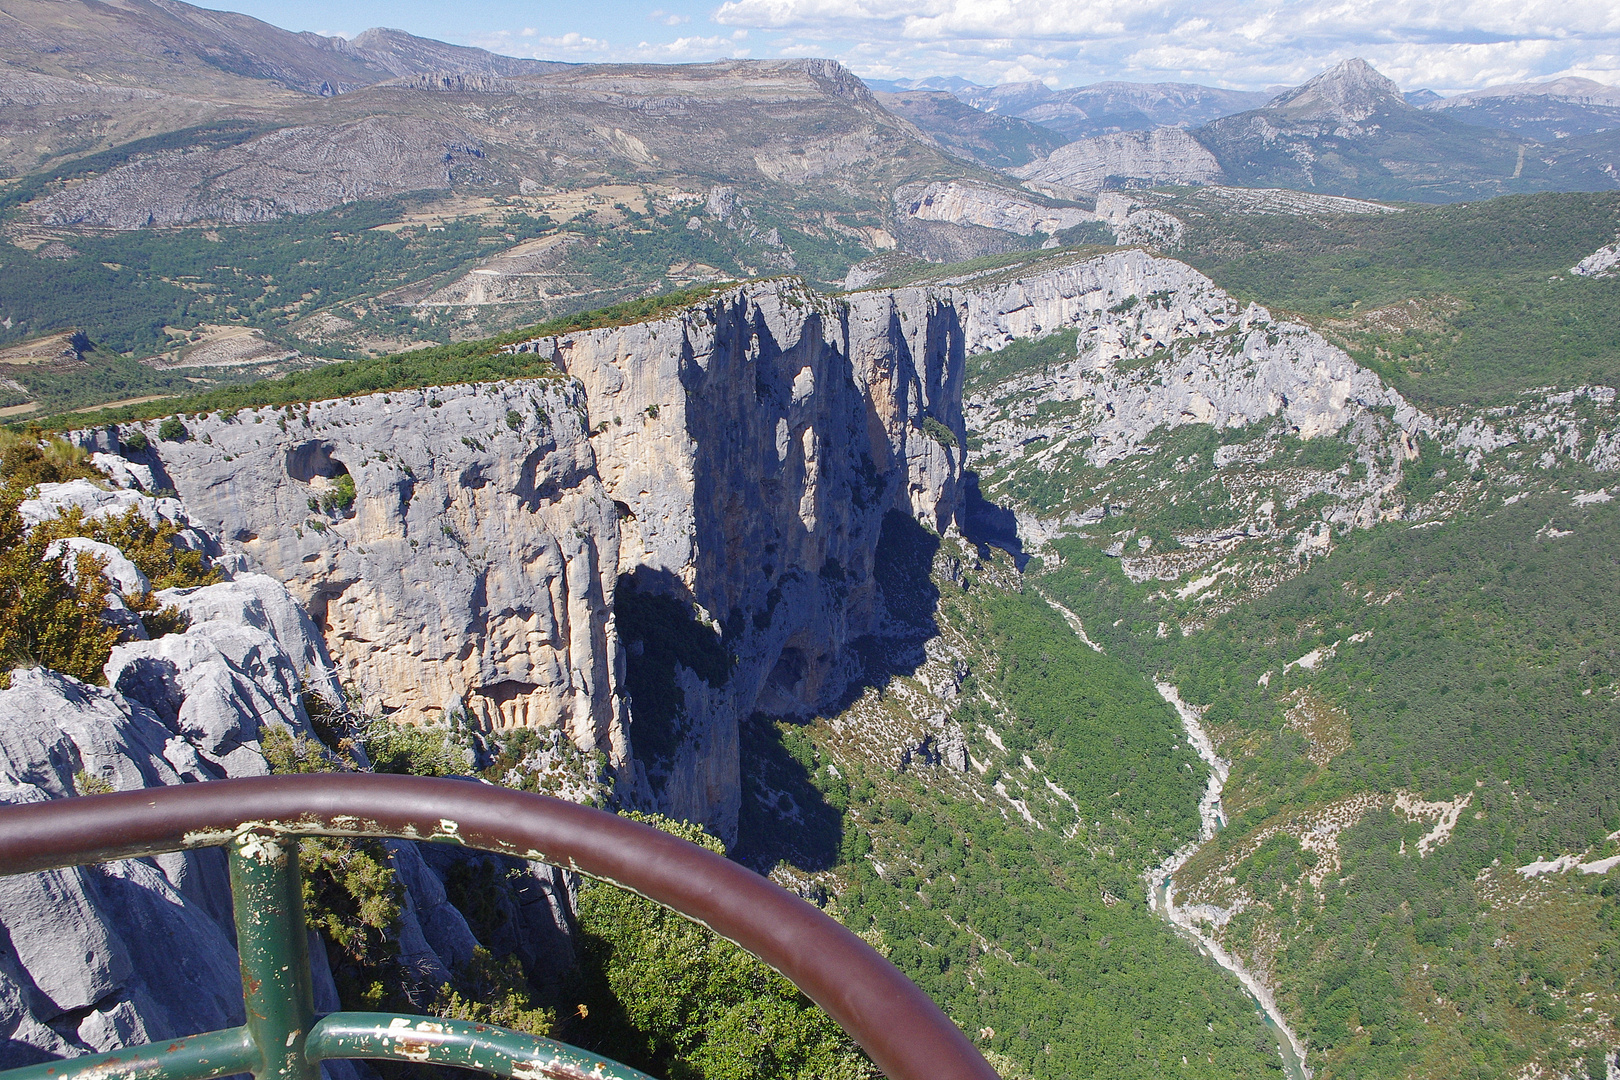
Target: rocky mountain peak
<point>1351,91</point>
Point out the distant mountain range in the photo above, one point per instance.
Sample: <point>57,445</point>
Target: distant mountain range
<point>1546,112</point>
<point>1099,109</point>
<point>1352,131</point>
<point>406,189</point>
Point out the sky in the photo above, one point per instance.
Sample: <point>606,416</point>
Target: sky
<point>1445,45</point>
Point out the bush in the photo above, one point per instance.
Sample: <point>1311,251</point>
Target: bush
<point>340,499</point>
<point>44,618</point>
<point>172,430</point>
<point>351,894</point>
<point>154,549</point>
<point>939,432</point>
<point>667,995</point>
<point>135,442</point>
<point>26,461</point>
<point>414,751</point>
<point>490,991</point>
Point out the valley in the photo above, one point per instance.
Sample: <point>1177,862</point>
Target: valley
<point>1140,555</point>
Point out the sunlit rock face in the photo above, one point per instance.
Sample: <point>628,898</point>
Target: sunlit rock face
<point>453,545</point>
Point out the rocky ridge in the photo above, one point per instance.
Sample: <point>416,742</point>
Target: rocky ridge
<point>1099,109</point>
<point>1148,158</point>
<point>295,170</point>
<point>958,202</point>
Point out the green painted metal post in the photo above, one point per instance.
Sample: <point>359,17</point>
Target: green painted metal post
<point>461,1044</point>
<point>272,940</point>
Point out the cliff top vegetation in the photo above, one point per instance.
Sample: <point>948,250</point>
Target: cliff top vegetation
<point>443,365</point>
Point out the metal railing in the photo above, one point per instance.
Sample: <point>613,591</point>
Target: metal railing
<point>259,820</point>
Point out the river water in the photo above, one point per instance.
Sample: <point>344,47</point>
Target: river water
<point>1162,890</point>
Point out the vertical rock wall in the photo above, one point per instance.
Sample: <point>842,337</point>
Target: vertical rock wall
<point>474,566</point>
<point>754,444</point>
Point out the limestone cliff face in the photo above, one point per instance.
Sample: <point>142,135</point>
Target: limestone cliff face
<point>453,545</point>
<point>1166,155</point>
<point>460,547</point>
<point>755,444</point>
<point>1160,345</point>
<point>961,202</point>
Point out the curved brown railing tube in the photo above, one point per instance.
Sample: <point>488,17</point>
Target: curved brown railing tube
<point>906,1034</point>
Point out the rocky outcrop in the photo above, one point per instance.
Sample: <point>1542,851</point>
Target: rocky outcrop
<point>454,546</point>
<point>143,950</point>
<point>1348,93</point>
<point>460,548</point>
<point>1233,200</point>
<point>1130,158</point>
<point>1159,346</point>
<point>91,962</point>
<point>1134,223</point>
<point>961,202</point>
<point>1604,262</point>
<point>755,444</point>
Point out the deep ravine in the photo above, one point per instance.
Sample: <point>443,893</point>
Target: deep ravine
<point>1189,920</point>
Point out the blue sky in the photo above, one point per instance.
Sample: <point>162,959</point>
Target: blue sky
<point>1446,45</point>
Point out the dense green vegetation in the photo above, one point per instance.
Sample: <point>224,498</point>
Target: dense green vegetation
<point>102,376</point>
<point>1487,672</point>
<point>667,996</point>
<point>651,989</point>
<point>1494,660</point>
<point>1078,979</point>
<point>1037,938</point>
<point>1069,702</point>
<point>1497,308</point>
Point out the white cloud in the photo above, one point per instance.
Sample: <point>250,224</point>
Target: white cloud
<point>692,48</point>
<point>1442,44</point>
<point>531,44</point>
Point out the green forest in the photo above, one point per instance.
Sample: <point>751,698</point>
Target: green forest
<point>1488,674</point>
<point>1497,307</point>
